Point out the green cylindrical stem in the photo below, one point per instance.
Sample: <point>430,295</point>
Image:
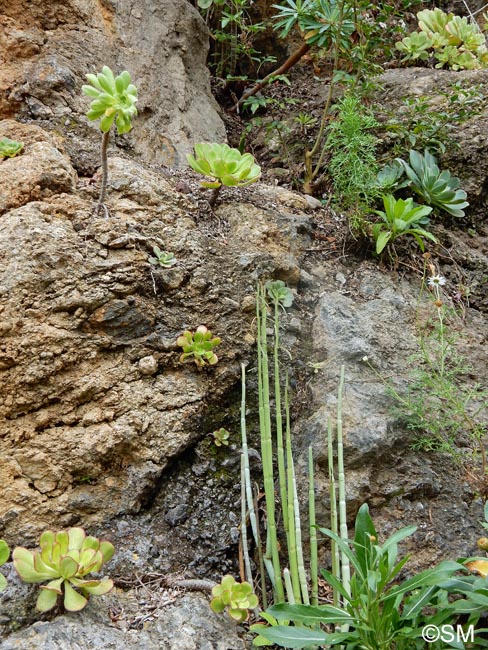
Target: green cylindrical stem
<point>267,444</point>
<point>292,520</point>
<point>346,570</point>
<point>245,549</point>
<point>290,596</point>
<point>279,420</point>
<point>302,576</point>
<point>314,581</point>
<point>336,559</point>
<point>248,488</point>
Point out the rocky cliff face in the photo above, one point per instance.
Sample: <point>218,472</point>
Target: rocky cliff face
<point>95,403</point>
<point>100,425</point>
<point>46,50</point>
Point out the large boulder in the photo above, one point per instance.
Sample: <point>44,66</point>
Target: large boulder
<point>47,49</point>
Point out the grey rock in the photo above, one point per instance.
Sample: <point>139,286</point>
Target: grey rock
<point>179,624</point>
<point>164,47</point>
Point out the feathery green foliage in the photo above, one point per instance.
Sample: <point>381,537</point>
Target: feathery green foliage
<point>352,167</point>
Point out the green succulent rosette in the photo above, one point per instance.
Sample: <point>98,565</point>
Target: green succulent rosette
<point>227,166</point>
<point>114,99</point>
<point>65,559</point>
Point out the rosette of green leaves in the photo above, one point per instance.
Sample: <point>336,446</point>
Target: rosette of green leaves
<point>65,559</point>
<point>199,345</point>
<point>401,217</point>
<point>435,187</point>
<point>321,23</point>
<point>4,553</point>
<point>415,47</point>
<point>279,292</point>
<point>10,148</point>
<point>390,177</point>
<point>221,437</point>
<point>236,597</point>
<point>114,99</point>
<point>162,258</point>
<point>227,166</point>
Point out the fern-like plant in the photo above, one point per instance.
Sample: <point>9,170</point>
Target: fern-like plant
<point>114,100</point>
<point>437,188</point>
<point>353,165</point>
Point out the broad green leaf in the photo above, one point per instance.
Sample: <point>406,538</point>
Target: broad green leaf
<point>46,600</point>
<point>294,637</point>
<point>382,240</point>
<point>4,552</point>
<point>73,601</point>
<point>310,614</point>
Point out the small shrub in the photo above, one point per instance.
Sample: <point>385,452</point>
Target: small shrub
<point>10,148</point>
<point>236,597</point>
<point>65,559</point>
<point>353,165</point>
<point>199,346</point>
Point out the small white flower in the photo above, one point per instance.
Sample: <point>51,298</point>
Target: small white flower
<point>437,281</point>
<point>365,359</point>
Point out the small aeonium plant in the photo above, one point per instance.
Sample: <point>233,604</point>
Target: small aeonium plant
<point>199,345</point>
<point>65,560</point>
<point>224,165</point>
<point>10,148</point>
<point>114,100</point>
<point>164,259</point>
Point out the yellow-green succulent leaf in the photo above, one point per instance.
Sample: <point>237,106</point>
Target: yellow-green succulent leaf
<point>46,600</point>
<point>73,600</point>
